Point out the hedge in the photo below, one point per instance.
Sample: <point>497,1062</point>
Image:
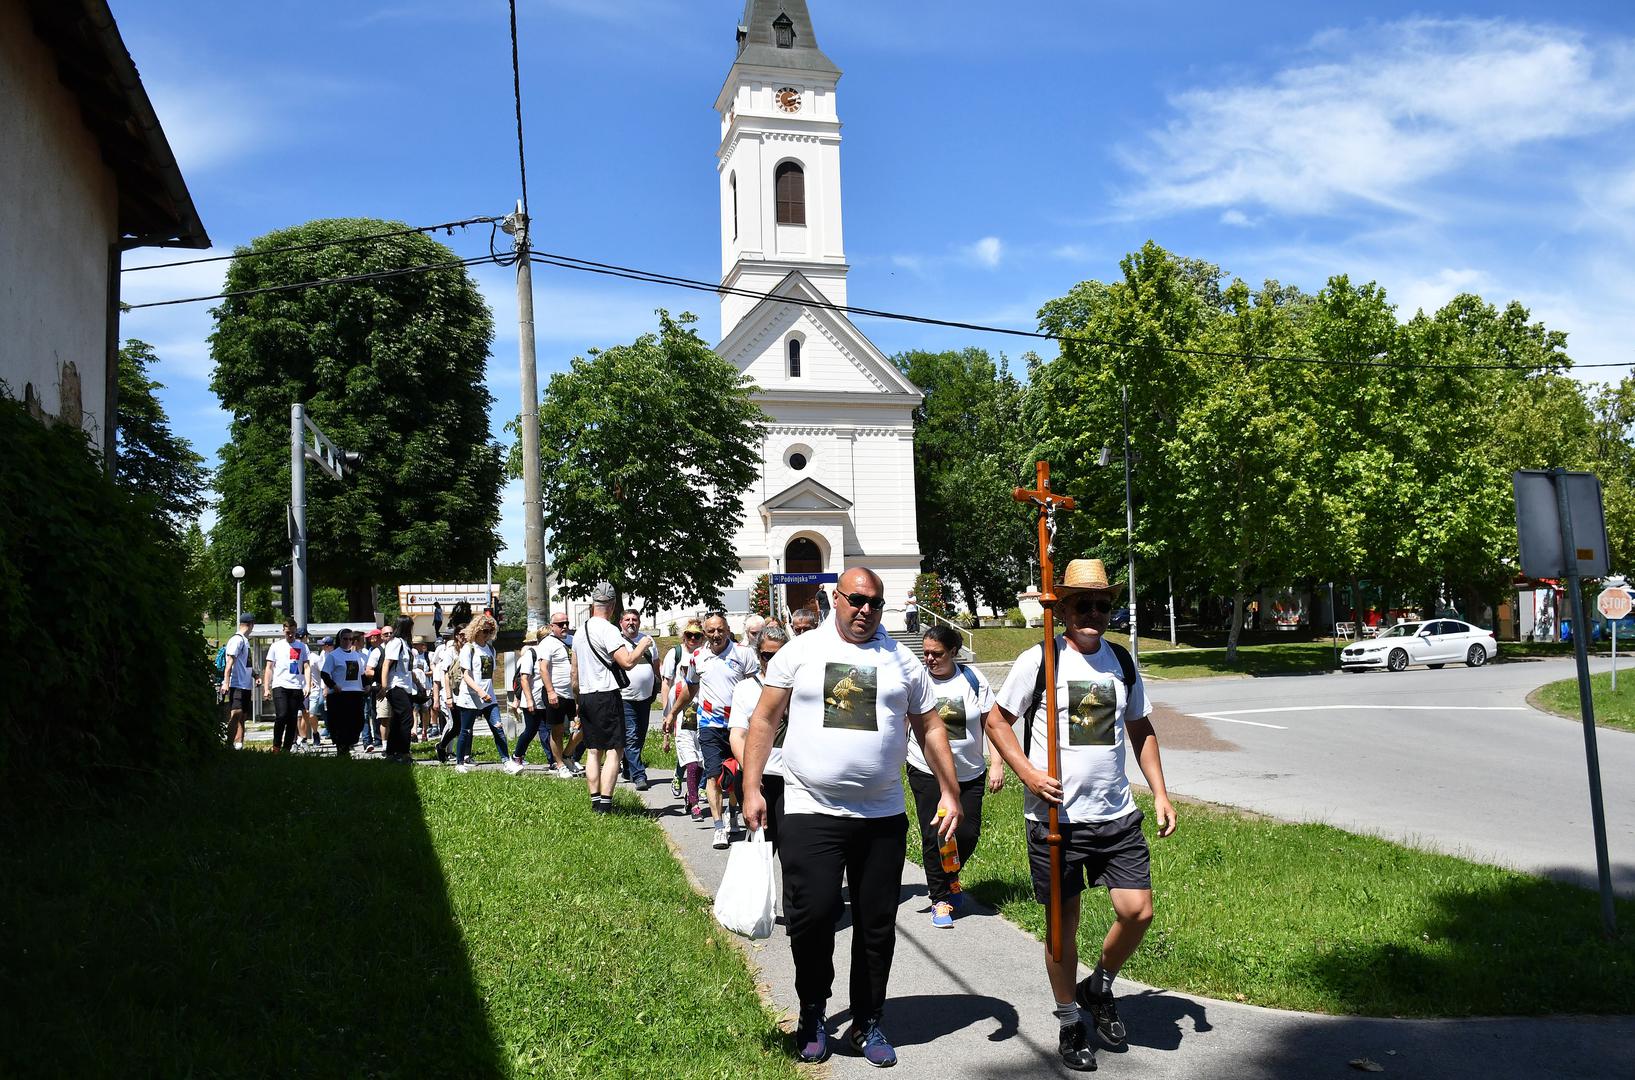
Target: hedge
<point>110,678</point>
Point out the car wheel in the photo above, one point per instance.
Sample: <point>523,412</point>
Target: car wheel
<point>1476,657</point>
<point>1398,660</point>
<point>1433,667</point>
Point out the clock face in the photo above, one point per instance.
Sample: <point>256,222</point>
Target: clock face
<point>788,99</point>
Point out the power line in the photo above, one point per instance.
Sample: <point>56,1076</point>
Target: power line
<point>446,226</point>
<point>651,277</point>
<point>373,275</point>
<point>516,92</point>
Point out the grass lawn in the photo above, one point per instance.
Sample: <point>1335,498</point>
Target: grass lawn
<point>1611,710</point>
<point>996,644</point>
<point>1159,658</point>
<point>1310,917</point>
<point>309,917</point>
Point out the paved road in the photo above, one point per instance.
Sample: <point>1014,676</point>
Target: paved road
<point>1452,759</point>
<point>971,1003</point>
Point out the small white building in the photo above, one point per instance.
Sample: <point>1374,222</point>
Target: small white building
<point>837,467</point>
<point>85,174</point>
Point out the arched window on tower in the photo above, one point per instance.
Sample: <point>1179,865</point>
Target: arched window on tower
<point>790,184</point>
<point>794,358</point>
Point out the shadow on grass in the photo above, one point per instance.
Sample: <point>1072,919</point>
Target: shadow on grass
<point>311,937</point>
<point>1474,945</point>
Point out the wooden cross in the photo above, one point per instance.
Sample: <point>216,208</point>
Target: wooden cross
<point>1049,503</point>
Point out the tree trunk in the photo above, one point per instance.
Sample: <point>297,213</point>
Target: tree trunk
<point>967,586</point>
<point>1356,605</point>
<point>360,603</point>
<point>1238,599</point>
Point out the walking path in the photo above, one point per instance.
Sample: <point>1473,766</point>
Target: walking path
<point>972,1002</point>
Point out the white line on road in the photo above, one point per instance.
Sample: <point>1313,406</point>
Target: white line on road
<point>1408,708</point>
<point>1229,720</point>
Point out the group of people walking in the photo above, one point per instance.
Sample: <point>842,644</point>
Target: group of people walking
<point>806,728</point>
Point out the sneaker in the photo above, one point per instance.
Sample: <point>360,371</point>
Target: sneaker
<point>238,745</point>
<point>564,773</point>
<point>867,1041</point>
<point>1076,1051</point>
<point>721,839</point>
<point>1100,1006</point>
<point>643,784</point>
<point>696,811</point>
<point>811,1038</point>
<point>462,767</point>
<point>942,915</point>
<point>675,786</point>
<point>513,766</point>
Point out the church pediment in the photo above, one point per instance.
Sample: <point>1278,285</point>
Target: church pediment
<point>795,303</point>
<point>806,496</point>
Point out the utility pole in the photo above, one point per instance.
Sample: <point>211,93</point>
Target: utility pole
<point>1129,528</point>
<point>533,522</point>
<point>330,460</point>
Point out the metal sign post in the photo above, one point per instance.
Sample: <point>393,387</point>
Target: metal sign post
<point>1579,519</point>
<point>331,461</point>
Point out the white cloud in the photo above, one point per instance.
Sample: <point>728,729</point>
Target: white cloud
<point>209,123</point>
<point>1237,219</point>
<point>986,251</point>
<point>1430,294</point>
<point>1376,113</point>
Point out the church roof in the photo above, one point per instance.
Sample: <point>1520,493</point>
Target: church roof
<point>758,39</point>
<point>809,496</point>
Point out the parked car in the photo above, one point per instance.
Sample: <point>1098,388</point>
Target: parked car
<point>1120,620</point>
<point>1432,643</point>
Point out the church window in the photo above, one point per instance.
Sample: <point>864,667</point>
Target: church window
<point>790,184</point>
<point>794,358</point>
<point>797,462</point>
<point>733,181</point>
<point>798,457</point>
<point>784,30</point>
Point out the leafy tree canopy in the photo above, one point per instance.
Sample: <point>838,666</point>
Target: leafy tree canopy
<point>153,461</point>
<point>392,368</point>
<point>646,451</point>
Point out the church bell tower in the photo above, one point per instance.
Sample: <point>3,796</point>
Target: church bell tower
<point>779,160</point>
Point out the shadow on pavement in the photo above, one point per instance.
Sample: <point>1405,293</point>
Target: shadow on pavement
<point>274,916</point>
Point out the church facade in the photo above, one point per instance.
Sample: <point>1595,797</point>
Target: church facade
<point>836,488</point>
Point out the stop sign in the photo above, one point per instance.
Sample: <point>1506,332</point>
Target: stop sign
<point>1614,603</point>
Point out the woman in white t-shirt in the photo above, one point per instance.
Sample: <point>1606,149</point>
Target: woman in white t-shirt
<point>964,700</point>
<point>476,696</point>
<point>342,675</point>
<point>689,762</point>
<point>745,696</point>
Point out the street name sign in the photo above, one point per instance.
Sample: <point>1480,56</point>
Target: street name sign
<point>805,579</point>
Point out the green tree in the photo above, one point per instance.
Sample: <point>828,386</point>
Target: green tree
<point>968,444</point>
<point>198,573</point>
<point>153,461</point>
<point>646,451</point>
<point>393,369</point>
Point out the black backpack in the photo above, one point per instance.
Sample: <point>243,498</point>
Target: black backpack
<point>516,676</point>
<point>1126,666</point>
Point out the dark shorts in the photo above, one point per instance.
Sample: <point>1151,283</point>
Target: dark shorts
<point>715,747</point>
<point>562,712</point>
<point>1094,853</point>
<point>601,720</point>
<point>238,700</point>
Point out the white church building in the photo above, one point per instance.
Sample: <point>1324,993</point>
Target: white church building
<point>837,467</point>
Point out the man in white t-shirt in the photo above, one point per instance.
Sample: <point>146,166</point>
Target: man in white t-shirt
<point>711,674</point>
<point>561,705</point>
<point>637,699</point>
<point>238,680</point>
<point>604,659</point>
<point>1101,706</point>
<point>284,682</point>
<point>397,679</point>
<point>852,695</point>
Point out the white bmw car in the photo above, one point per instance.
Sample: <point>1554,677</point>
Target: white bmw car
<point>1432,643</point>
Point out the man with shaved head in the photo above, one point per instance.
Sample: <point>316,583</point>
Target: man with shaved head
<point>711,675</point>
<point>852,694</point>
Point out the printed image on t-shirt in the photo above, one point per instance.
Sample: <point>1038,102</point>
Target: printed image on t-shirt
<point>351,671</point>
<point>1091,706</point>
<point>487,664</point>
<point>849,697</point>
<point>952,711</point>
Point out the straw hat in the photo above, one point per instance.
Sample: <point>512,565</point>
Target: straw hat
<point>537,634</point>
<point>1086,575</point>
<point>693,627</point>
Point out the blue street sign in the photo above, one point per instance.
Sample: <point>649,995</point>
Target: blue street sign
<point>805,579</point>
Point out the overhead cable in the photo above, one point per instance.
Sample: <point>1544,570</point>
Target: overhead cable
<point>256,253</point>
<point>349,279</point>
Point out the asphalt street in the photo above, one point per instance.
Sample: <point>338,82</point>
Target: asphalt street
<point>1454,760</point>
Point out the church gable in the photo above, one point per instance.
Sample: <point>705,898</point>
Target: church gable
<point>833,356</point>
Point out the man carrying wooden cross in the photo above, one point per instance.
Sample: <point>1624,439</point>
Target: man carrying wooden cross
<point>1100,705</point>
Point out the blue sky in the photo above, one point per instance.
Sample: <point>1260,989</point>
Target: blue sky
<point>994,154</point>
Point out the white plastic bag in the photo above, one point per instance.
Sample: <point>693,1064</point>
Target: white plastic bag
<point>747,899</point>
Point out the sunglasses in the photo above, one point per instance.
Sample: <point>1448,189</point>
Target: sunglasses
<point>1086,605</point>
<point>560,625</point>
<point>864,600</point>
<point>766,658</point>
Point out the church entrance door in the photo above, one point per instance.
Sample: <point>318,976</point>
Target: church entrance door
<point>802,557</point>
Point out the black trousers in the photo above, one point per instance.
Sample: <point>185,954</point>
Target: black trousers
<point>772,791</point>
<point>401,724</point>
<point>815,850</point>
<point>927,793</point>
<point>345,719</point>
<point>286,715</point>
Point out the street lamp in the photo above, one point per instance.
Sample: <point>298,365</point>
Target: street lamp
<point>238,580</point>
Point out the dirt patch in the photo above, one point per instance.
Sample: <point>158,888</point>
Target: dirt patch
<point>1178,731</point>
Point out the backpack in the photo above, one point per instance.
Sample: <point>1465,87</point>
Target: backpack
<point>221,659</point>
<point>516,675</point>
<point>1126,667</point>
<point>456,672</point>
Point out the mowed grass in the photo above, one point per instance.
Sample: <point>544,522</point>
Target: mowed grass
<point>997,644</point>
<point>296,916</point>
<point>1613,710</point>
<point>1310,917</point>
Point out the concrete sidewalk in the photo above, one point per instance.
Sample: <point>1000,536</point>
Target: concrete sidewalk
<point>973,1002</point>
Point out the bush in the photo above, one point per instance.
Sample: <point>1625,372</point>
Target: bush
<point>94,608</point>
<point>760,597</point>
<point>1014,617</point>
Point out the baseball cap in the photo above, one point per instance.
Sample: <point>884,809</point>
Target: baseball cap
<point>327,640</point>
<point>692,627</point>
<point>246,619</point>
